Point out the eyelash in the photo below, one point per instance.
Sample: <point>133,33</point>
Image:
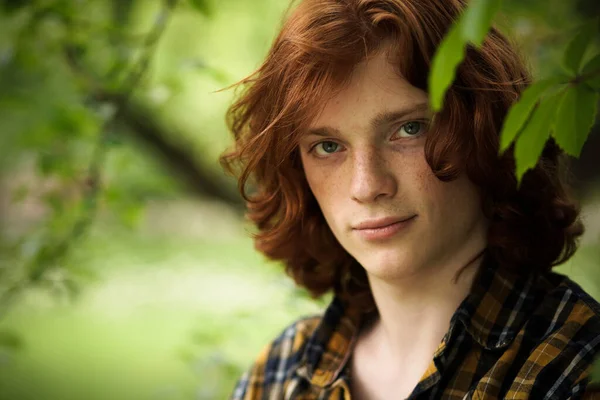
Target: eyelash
<point>424,125</point>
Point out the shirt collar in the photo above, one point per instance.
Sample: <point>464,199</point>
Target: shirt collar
<point>499,304</point>
<point>329,347</point>
<point>493,313</point>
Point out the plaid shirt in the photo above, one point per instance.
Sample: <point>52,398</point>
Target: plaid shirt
<point>512,337</point>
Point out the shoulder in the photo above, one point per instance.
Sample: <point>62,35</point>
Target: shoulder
<point>565,331</point>
<point>569,307</point>
<point>277,362</point>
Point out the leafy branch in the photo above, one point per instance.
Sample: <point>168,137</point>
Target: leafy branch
<point>143,124</point>
<point>563,106</point>
<point>52,251</point>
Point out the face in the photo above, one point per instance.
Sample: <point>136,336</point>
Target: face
<point>365,163</point>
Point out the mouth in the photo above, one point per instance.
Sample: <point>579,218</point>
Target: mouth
<point>381,222</point>
<point>384,228</point>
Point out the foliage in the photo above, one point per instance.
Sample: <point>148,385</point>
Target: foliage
<point>563,105</point>
<point>68,72</point>
<point>47,52</point>
<point>70,143</point>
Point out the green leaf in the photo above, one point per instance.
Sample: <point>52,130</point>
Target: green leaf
<point>575,51</point>
<point>536,132</point>
<point>203,6</point>
<point>575,117</point>
<point>520,111</point>
<point>477,19</point>
<point>449,55</point>
<point>592,68</point>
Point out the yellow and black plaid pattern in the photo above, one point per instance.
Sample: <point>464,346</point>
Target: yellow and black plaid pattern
<point>513,337</point>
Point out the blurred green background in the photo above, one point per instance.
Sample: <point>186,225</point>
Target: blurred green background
<point>126,269</point>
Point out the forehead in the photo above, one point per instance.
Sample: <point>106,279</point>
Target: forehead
<point>374,87</point>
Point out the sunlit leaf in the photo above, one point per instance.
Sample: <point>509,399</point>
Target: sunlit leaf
<point>575,117</point>
<point>448,56</point>
<point>520,111</point>
<point>478,19</point>
<point>591,70</point>
<point>575,51</point>
<point>536,132</point>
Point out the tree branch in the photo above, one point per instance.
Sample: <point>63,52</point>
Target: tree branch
<point>139,120</point>
<point>177,157</point>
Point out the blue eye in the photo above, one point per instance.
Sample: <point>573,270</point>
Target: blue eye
<point>326,147</point>
<point>411,128</point>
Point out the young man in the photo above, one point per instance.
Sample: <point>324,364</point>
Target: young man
<point>440,266</point>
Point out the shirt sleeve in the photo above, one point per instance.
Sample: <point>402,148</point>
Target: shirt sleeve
<point>275,364</point>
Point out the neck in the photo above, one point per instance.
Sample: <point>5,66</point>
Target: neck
<point>424,302</point>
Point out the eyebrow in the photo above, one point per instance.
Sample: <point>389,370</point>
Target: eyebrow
<point>381,120</point>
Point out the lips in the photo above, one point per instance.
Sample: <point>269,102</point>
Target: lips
<point>382,229</point>
<point>380,222</point>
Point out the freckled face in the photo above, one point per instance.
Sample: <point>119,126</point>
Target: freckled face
<point>364,161</point>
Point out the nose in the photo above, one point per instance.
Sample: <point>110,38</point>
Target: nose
<point>372,177</point>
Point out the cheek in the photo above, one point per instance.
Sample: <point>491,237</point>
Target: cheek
<point>455,202</point>
<point>321,184</point>
<point>328,190</point>
<point>444,200</point>
<point>415,175</point>
<point>327,194</point>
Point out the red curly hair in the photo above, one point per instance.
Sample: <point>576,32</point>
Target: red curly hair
<point>532,227</point>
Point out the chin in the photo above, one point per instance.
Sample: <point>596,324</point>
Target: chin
<point>388,265</point>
